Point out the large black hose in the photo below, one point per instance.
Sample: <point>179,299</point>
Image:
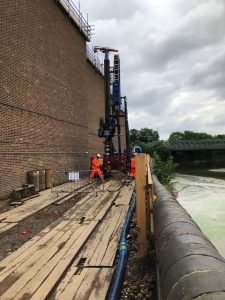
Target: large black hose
<point>189,266</point>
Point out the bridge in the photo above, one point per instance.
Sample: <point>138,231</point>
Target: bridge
<point>185,145</point>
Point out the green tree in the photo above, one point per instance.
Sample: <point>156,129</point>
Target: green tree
<point>159,147</point>
<point>220,136</point>
<point>176,136</point>
<point>165,171</point>
<point>134,136</point>
<point>147,135</point>
<point>191,135</point>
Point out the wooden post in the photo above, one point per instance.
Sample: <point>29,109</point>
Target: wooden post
<point>151,196</point>
<point>148,196</point>
<point>141,204</point>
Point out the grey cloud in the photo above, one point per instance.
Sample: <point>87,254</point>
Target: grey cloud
<point>172,60</point>
<point>196,31</point>
<point>211,74</point>
<point>117,9</point>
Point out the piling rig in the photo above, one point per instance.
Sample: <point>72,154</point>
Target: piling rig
<point>108,126</point>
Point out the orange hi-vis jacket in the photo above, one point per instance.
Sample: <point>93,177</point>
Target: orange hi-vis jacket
<point>133,166</point>
<point>95,164</point>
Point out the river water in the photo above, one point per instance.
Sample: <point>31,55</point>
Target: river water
<point>201,191</point>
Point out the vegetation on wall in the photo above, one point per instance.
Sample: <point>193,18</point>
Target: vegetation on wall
<point>165,171</point>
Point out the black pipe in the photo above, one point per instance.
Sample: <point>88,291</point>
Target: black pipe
<point>127,137</point>
<point>108,138</point>
<point>189,265</point>
<point>119,135</point>
<point>107,88</point>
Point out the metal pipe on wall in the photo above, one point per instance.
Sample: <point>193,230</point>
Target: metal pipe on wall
<point>189,265</point>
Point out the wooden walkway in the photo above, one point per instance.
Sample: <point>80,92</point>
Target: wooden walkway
<point>13,216</point>
<point>73,259</point>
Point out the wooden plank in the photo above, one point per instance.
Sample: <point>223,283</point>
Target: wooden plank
<point>150,198</point>
<point>59,202</point>
<point>66,279</point>
<point>75,213</point>
<point>149,180</point>
<point>41,238</point>
<point>45,277</point>
<point>44,257</point>
<point>30,207</point>
<point>27,271</point>
<point>101,247</point>
<point>106,207</point>
<point>125,197</point>
<point>6,226</point>
<point>95,212</point>
<point>91,283</point>
<point>101,250</point>
<point>141,204</point>
<point>44,250</point>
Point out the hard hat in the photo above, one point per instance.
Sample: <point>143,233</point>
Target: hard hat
<point>98,155</point>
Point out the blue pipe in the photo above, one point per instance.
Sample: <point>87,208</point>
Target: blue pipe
<point>115,289</point>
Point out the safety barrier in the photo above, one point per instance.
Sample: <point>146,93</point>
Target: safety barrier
<point>216,144</point>
<point>144,203</point>
<point>75,13</point>
<point>94,60</point>
<point>189,266</point>
<point>73,181</point>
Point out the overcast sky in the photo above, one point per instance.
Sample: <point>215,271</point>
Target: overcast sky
<point>172,60</point>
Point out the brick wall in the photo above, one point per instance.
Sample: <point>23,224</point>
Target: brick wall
<point>51,98</point>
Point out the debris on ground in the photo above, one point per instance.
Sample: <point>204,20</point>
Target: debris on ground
<point>14,238</point>
<point>140,278</point>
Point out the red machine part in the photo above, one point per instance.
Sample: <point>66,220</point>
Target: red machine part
<point>104,49</point>
<point>115,162</point>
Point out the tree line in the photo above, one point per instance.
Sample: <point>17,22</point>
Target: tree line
<point>148,139</point>
<point>191,135</point>
<point>163,165</point>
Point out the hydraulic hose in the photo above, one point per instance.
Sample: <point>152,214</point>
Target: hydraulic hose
<point>115,289</point>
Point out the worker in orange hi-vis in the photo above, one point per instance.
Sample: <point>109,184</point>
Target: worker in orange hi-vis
<point>133,165</point>
<point>95,168</point>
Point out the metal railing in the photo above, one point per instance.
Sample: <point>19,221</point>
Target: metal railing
<point>216,144</point>
<point>75,13</point>
<point>94,60</point>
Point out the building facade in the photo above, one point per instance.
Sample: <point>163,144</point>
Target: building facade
<point>51,96</point>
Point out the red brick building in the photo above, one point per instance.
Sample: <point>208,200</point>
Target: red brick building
<point>51,97</point>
